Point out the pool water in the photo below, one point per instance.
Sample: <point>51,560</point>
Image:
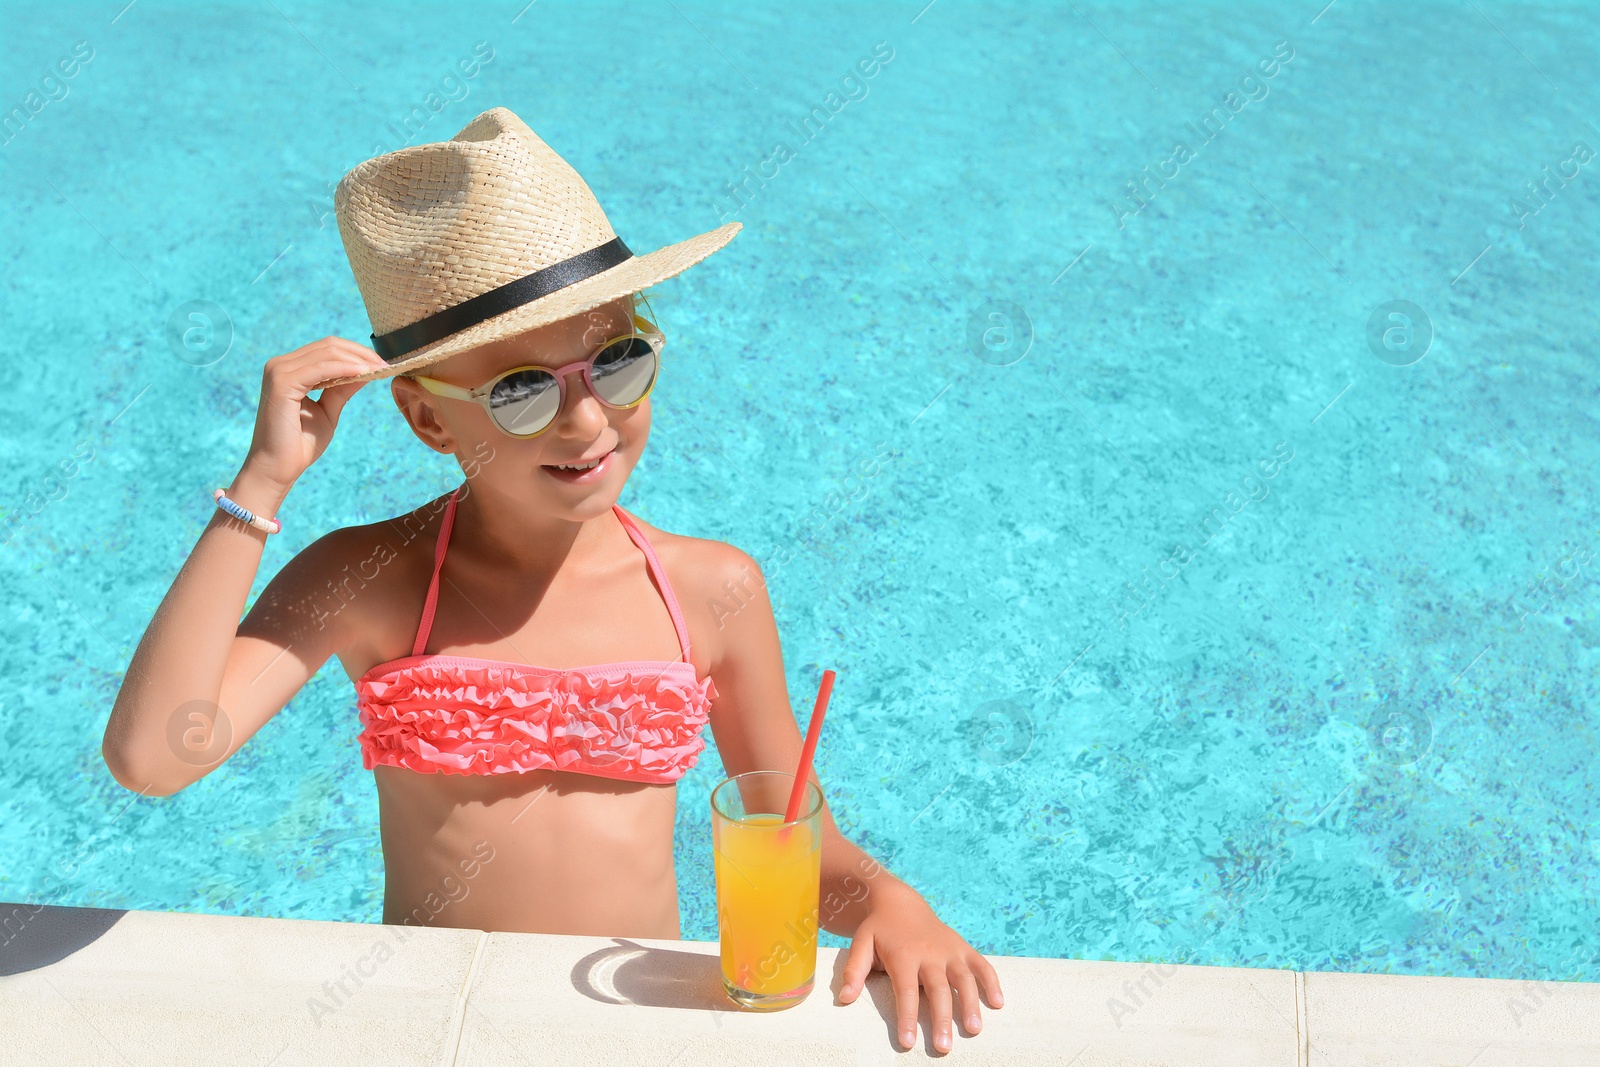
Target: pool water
<point>1178,427</point>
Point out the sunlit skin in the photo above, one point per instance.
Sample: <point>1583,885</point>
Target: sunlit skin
<point>537,572</point>
<point>591,855</point>
<point>541,572</point>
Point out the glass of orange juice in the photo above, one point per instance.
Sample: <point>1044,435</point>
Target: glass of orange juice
<point>769,873</point>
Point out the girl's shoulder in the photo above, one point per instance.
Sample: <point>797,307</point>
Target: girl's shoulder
<point>699,564</point>
<point>713,581</point>
<point>365,548</point>
<point>355,585</point>
<point>360,554</point>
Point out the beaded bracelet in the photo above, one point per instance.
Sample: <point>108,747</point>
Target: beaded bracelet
<point>271,526</point>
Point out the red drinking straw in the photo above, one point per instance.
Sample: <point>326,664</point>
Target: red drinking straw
<point>813,732</point>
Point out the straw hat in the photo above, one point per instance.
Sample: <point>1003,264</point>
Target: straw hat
<point>486,235</point>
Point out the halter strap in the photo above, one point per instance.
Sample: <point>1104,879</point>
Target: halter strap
<point>657,572</point>
<point>433,583</point>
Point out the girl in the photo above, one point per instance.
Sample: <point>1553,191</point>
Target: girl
<point>504,763</point>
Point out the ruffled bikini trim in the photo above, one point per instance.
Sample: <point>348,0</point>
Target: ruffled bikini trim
<point>639,724</point>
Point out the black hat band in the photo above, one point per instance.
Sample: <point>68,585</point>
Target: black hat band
<point>497,301</point>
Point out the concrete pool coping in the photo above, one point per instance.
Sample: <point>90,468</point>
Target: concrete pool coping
<point>89,986</point>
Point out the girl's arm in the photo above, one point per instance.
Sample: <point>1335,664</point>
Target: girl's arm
<point>893,928</point>
<point>196,689</point>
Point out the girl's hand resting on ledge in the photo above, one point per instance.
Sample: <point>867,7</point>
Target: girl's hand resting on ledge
<point>892,928</point>
<point>903,937</point>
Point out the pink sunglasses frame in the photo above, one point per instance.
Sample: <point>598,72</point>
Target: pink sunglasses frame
<point>643,329</point>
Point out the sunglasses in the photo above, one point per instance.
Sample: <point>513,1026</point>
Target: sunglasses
<point>524,401</point>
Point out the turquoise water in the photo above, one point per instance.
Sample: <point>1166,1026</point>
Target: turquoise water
<point>1185,605</point>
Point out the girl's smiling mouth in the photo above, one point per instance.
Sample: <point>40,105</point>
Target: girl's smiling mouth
<point>581,472</point>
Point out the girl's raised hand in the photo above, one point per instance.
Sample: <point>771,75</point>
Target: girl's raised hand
<point>292,430</point>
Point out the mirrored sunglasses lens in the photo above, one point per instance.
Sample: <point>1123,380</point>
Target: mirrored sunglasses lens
<point>525,402</point>
<point>624,371</point>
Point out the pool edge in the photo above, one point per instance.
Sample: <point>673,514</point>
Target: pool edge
<point>82,985</point>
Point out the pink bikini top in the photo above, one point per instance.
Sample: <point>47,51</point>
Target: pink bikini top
<point>640,720</point>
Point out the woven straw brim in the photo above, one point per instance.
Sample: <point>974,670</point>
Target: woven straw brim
<point>636,273</point>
